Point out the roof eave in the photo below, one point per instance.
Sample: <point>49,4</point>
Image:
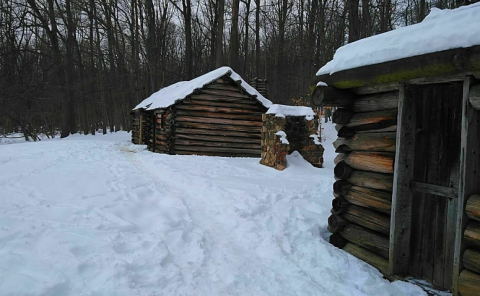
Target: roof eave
<point>437,64</point>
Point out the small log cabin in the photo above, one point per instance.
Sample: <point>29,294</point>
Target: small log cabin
<point>215,114</point>
<point>407,190</point>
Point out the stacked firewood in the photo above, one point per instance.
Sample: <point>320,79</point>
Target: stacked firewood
<point>469,280</point>
<point>360,220</point>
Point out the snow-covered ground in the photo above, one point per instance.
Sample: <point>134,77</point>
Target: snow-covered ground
<point>96,215</point>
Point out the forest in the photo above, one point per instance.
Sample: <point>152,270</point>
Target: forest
<point>80,66</point>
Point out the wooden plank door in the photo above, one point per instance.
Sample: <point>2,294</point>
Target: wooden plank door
<point>434,184</point>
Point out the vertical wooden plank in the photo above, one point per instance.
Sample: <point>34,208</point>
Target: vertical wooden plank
<point>141,130</point>
<point>402,195</point>
<point>469,174</point>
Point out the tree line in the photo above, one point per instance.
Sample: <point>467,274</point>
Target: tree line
<point>79,66</point>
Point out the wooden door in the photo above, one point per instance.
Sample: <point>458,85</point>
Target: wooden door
<point>434,185</point>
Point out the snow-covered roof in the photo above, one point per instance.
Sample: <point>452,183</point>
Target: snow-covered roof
<point>284,110</point>
<point>167,96</point>
<point>440,30</point>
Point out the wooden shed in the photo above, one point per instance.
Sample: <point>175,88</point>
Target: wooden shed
<point>216,114</point>
<point>406,199</point>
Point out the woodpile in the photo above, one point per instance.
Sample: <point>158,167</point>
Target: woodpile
<point>364,168</point>
<point>469,280</point>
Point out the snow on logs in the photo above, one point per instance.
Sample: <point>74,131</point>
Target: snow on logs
<point>366,144</point>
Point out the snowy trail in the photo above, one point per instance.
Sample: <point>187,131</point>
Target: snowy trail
<point>99,216</point>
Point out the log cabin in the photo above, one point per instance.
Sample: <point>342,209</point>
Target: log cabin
<point>407,191</point>
<point>216,114</point>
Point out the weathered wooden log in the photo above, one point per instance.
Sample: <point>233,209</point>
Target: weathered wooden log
<point>218,144</point>
<point>469,283</point>
<point>339,158</point>
<point>220,133</point>
<point>382,142</point>
<point>377,243</point>
<point>342,170</point>
<point>160,143</point>
<point>472,234</point>
<point>376,102</point>
<point>254,116</point>
<point>255,107</point>
<point>218,121</point>
<point>219,127</point>
<point>341,187</point>
<point>214,109</point>
<point>225,99</point>
<point>371,258</point>
<point>371,180</point>
<point>342,116</point>
<point>392,128</point>
<point>346,132</point>
<point>221,139</point>
<point>380,162</point>
<point>337,240</point>
<point>475,97</point>
<point>222,86</point>
<point>222,154</point>
<point>473,207</point>
<point>370,198</point>
<point>369,219</point>
<point>471,260</point>
<point>217,92</point>
<point>372,120</point>
<point>217,149</point>
<point>336,223</point>
<point>330,96</point>
<point>339,205</point>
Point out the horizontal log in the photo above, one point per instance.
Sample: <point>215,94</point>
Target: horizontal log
<point>469,283</point>
<point>376,102</point>
<point>382,142</point>
<point>223,98</point>
<point>221,154</point>
<point>379,162</point>
<point>337,240</point>
<point>220,133</point>
<point>219,127</point>
<point>369,219</point>
<point>217,149</point>
<point>336,223</point>
<point>371,180</point>
<point>370,240</point>
<point>219,121</point>
<point>471,260</point>
<point>339,205</point>
<point>346,132</point>
<point>342,116</point>
<point>339,158</point>
<point>341,187</point>
<point>218,144</point>
<point>223,105</point>
<point>473,207</point>
<point>392,128</point>
<point>472,234</point>
<point>215,139</point>
<point>160,143</point>
<point>162,137</point>
<point>373,259</point>
<point>370,198</point>
<point>342,170</point>
<point>434,189</point>
<point>254,116</point>
<point>232,92</point>
<point>215,109</point>
<point>475,97</point>
<point>333,97</point>
<point>373,120</point>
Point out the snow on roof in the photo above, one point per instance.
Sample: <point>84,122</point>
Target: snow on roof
<point>284,110</point>
<point>167,96</point>
<point>440,30</point>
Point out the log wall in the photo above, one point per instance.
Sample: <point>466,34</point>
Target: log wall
<point>140,132</point>
<point>469,279</point>
<point>361,208</point>
<point>220,119</point>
